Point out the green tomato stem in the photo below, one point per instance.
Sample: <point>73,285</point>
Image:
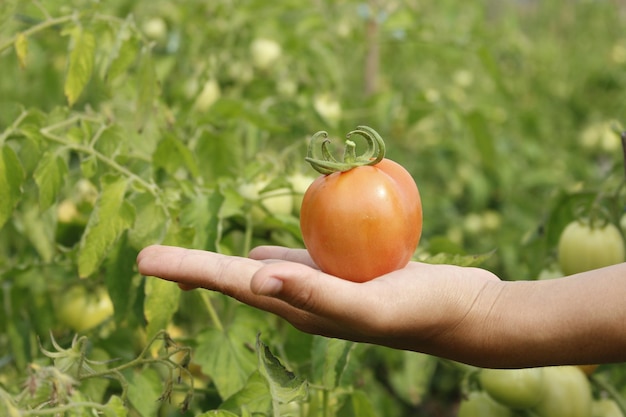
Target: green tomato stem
<point>322,160</point>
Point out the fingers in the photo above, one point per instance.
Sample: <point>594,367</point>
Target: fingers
<point>309,299</point>
<point>196,268</point>
<point>311,291</point>
<point>278,252</point>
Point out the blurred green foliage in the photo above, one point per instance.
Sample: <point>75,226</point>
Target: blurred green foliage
<point>155,114</point>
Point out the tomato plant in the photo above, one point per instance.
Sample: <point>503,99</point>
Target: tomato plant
<point>363,217</point>
<point>129,123</point>
<point>514,388</point>
<point>567,393</point>
<point>584,246</point>
<point>480,404</point>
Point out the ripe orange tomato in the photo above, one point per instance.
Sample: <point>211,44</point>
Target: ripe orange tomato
<point>364,222</point>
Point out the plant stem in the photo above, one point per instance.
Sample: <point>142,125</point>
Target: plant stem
<point>47,132</point>
<point>37,28</point>
<point>13,127</point>
<point>62,409</point>
<point>215,318</point>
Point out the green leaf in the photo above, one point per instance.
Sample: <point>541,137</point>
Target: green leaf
<point>330,358</point>
<point>412,381</point>
<point>151,222</point>
<point>285,386</point>
<point>144,390</point>
<point>218,413</point>
<point>147,89</point>
<point>255,396</point>
<point>226,357</point>
<point>223,153</point>
<point>202,215</point>
<point>120,280</point>
<point>123,53</point>
<point>115,407</point>
<point>484,141</point>
<point>40,231</point>
<point>21,49</point>
<point>82,52</point>
<point>358,405</point>
<point>109,219</point>
<point>173,156</point>
<point>11,177</point>
<point>49,177</point>
<point>161,302</point>
<point>490,64</point>
<point>459,260</point>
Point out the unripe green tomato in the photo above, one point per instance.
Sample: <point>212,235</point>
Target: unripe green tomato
<point>605,407</point>
<point>81,311</point>
<point>514,388</point>
<point>567,393</point>
<point>583,247</point>
<point>210,93</point>
<point>299,184</point>
<point>265,52</point>
<point>155,28</point>
<point>278,201</point>
<point>480,404</point>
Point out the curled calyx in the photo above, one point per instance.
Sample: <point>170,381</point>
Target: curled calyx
<point>321,159</point>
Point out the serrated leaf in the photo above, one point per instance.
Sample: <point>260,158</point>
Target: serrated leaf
<point>224,151</point>
<point>358,405</point>
<point>147,89</point>
<point>21,49</point>
<point>144,390</point>
<point>160,304</point>
<point>224,355</point>
<point>120,266</point>
<point>218,413</point>
<point>123,53</point>
<point>459,260</point>
<point>49,177</point>
<point>202,215</point>
<point>412,381</point>
<point>285,386</point>
<point>11,178</point>
<point>151,223</point>
<point>115,407</point>
<point>81,60</point>
<point>109,219</point>
<point>255,396</point>
<point>173,156</point>
<point>484,141</point>
<point>330,358</point>
<point>40,231</point>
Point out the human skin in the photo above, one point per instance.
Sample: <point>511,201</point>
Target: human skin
<point>463,314</point>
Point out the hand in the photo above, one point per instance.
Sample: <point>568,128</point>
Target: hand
<point>426,308</point>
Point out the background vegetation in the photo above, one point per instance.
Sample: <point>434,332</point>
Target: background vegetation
<point>126,123</point>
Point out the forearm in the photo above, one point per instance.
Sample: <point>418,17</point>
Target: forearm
<point>574,320</point>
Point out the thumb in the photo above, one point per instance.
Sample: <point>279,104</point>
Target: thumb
<point>305,288</point>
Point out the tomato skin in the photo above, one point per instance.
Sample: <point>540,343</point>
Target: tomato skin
<point>82,311</point>
<point>480,404</point>
<point>362,223</point>
<point>583,247</point>
<point>567,394</point>
<point>514,388</point>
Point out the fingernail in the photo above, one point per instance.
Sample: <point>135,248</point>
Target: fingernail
<point>271,286</point>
